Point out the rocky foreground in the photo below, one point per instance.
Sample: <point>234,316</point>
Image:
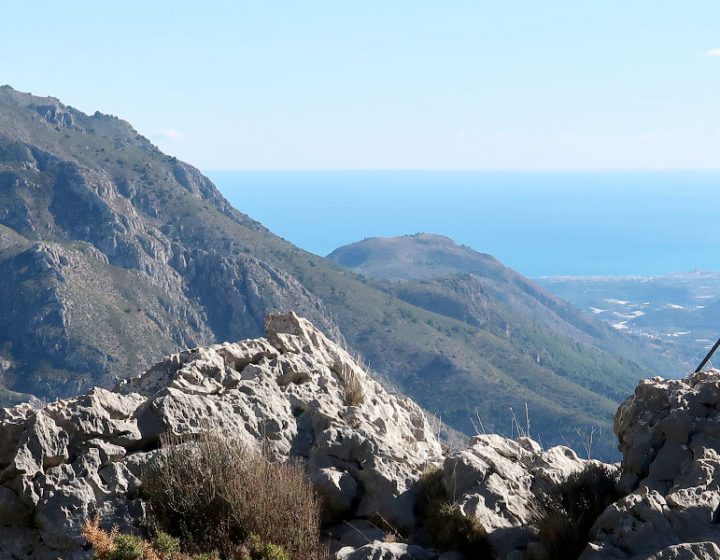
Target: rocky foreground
<point>297,394</point>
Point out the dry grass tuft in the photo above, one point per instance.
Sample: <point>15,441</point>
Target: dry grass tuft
<point>353,392</point>
<point>103,542</point>
<point>214,493</point>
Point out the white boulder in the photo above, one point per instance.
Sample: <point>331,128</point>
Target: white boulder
<point>294,392</point>
<point>669,433</point>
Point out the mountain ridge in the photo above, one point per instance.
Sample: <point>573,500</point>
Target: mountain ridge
<point>437,260</point>
<point>114,252</point>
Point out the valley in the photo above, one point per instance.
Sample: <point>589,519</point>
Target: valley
<point>676,313</point>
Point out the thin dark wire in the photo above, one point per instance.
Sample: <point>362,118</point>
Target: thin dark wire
<point>709,355</point>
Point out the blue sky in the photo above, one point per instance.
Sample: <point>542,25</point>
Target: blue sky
<point>387,84</point>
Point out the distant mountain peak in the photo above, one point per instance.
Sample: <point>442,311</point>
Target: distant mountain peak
<point>416,256</point>
<point>431,237</point>
<point>25,98</point>
<point>419,236</point>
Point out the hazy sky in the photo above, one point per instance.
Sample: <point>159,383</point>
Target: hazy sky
<point>387,84</point>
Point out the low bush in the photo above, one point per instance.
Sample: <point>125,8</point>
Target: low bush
<point>444,523</point>
<point>565,516</point>
<point>166,544</point>
<point>214,493</point>
<point>111,545</point>
<point>255,549</point>
<point>127,547</point>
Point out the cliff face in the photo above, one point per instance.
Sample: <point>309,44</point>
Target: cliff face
<point>106,244</point>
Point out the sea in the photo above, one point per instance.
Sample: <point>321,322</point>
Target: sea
<point>541,223</point>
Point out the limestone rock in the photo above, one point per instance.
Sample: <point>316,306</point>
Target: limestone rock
<point>693,551</point>
<point>386,551</point>
<point>80,457</point>
<point>669,433</point>
<point>497,480</point>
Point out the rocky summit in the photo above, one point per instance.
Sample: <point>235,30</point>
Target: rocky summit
<point>77,458</point>
<point>298,395</point>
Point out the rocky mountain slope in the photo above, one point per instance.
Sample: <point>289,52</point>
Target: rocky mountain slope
<point>108,244</point>
<point>112,253</point>
<point>367,456</point>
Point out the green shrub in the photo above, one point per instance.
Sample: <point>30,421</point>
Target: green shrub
<point>165,544</point>
<point>214,493</point>
<point>565,516</point>
<point>255,549</point>
<point>443,522</point>
<point>272,552</point>
<point>214,555</point>
<point>127,547</point>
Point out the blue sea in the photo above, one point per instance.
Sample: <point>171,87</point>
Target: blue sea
<point>539,223</point>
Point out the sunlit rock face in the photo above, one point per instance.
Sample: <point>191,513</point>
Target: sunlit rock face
<point>498,480</point>
<point>298,395</point>
<point>289,392</point>
<point>669,433</point>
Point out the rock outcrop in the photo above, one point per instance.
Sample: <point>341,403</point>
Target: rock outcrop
<point>498,480</point>
<point>296,394</point>
<point>669,433</point>
<point>290,392</point>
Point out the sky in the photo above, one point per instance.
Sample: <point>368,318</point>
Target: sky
<point>282,85</point>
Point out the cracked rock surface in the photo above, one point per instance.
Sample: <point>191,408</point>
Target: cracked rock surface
<point>497,480</point>
<point>79,457</point>
<point>669,433</point>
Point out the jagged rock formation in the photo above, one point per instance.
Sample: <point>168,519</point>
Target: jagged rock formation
<point>497,480</point>
<point>294,392</point>
<point>301,395</point>
<point>79,457</point>
<point>669,433</point>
